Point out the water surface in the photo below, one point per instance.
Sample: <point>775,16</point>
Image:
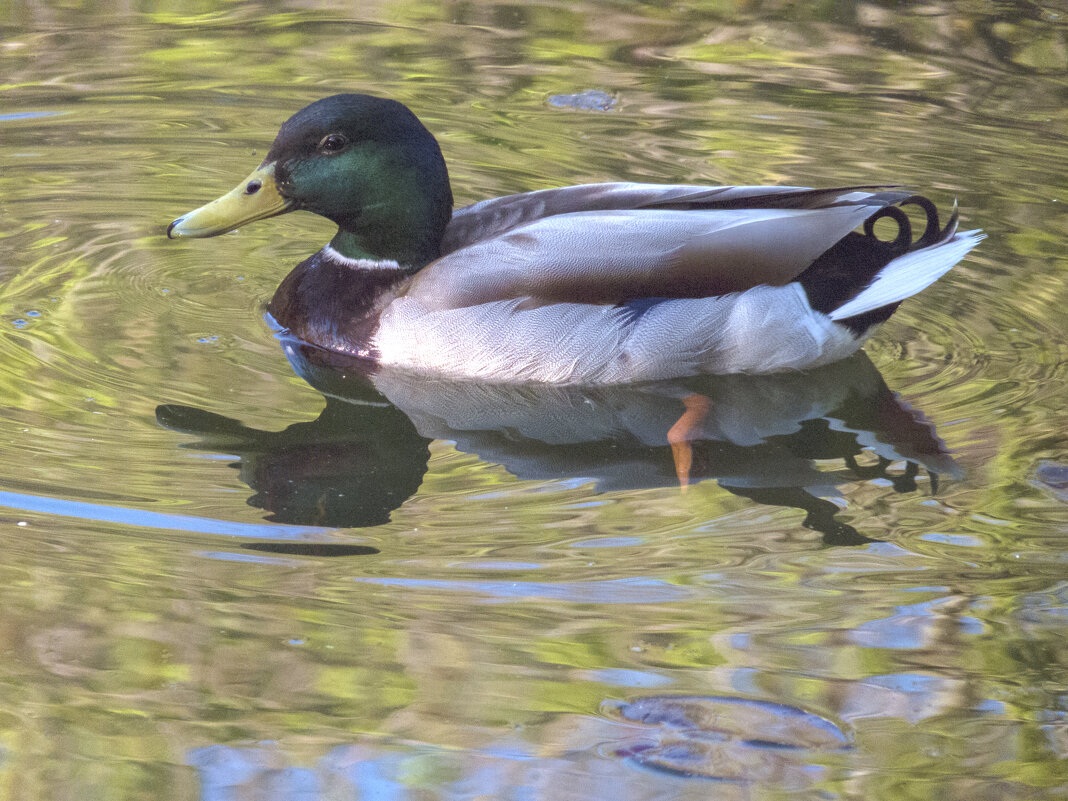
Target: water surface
<point>220,582</point>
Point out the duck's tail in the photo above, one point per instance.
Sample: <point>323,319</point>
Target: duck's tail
<point>862,279</point>
<point>908,274</point>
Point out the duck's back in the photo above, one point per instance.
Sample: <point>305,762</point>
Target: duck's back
<point>496,216</point>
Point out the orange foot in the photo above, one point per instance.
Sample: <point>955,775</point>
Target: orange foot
<point>681,434</point>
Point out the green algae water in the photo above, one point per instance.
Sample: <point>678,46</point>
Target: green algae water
<point>231,571</point>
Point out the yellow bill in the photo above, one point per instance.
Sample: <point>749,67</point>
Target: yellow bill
<point>255,198</point>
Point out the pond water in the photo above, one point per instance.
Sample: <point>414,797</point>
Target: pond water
<point>231,573</point>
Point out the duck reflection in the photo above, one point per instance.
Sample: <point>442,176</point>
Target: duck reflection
<point>759,437</point>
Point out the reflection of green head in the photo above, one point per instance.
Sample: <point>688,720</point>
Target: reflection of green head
<point>352,467</point>
<point>364,162</point>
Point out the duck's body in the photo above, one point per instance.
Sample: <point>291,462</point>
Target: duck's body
<point>601,283</point>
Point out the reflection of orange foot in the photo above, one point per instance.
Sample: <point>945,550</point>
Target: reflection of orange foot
<point>681,434</point>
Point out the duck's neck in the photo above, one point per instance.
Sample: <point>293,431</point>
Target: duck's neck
<point>401,223</point>
<point>354,246</point>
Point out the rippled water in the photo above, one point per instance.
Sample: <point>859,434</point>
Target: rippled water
<point>220,582</point>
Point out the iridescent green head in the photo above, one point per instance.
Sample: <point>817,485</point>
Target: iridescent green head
<point>366,163</point>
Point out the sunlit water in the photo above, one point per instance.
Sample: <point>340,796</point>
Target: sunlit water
<point>219,584</point>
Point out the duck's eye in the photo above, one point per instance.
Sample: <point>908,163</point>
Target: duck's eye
<point>333,143</point>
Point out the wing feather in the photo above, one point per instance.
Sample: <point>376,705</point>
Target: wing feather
<point>614,256</point>
<point>496,216</point>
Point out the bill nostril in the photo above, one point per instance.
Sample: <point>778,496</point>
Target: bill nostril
<point>253,187</point>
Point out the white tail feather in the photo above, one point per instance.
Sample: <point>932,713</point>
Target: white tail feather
<point>909,274</point>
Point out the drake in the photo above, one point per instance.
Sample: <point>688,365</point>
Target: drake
<point>599,283</point>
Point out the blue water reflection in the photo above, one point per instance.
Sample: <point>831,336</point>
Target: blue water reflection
<point>157,520</point>
<point>618,591</point>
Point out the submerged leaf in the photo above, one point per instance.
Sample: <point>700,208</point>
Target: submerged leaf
<point>729,739</point>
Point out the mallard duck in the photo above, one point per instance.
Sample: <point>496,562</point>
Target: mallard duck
<point>597,283</point>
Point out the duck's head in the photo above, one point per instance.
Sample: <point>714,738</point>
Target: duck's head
<point>366,163</point>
